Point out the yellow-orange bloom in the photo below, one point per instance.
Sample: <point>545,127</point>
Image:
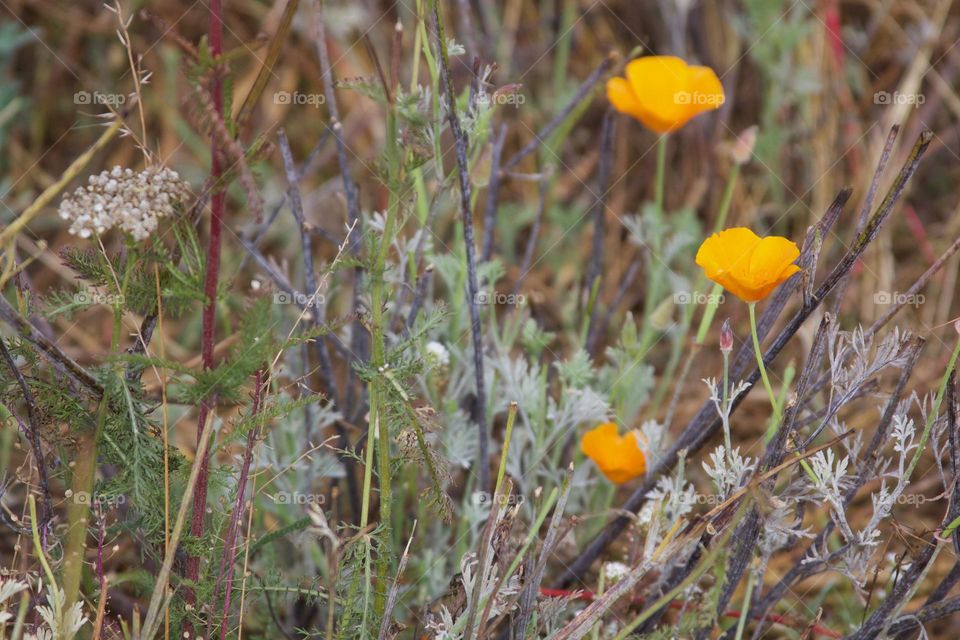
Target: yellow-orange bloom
<point>664,92</point>
<point>746,265</point>
<point>619,457</point>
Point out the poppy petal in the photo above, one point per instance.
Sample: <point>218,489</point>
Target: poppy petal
<point>660,84</point>
<point>621,96</point>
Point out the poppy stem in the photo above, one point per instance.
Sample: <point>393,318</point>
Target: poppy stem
<point>661,174</point>
<point>725,404</point>
<point>656,263</point>
<point>763,370</point>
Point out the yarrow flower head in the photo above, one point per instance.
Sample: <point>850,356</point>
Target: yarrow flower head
<point>438,353</point>
<point>619,457</point>
<point>132,201</point>
<point>664,92</point>
<point>746,265</point>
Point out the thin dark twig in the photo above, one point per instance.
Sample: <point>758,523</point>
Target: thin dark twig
<point>229,543</point>
<point>493,192</point>
<point>34,437</point>
<point>582,92</point>
<point>921,282</point>
<point>534,235</point>
<point>50,351</point>
<point>273,613</point>
<point>358,335</point>
<point>466,28</point>
<point>316,304</point>
<point>317,310</point>
<point>419,297</point>
<point>625,284</point>
<point>909,622</point>
<point>260,232</point>
<point>879,620</point>
<point>948,582</point>
<point>532,588</point>
<point>473,289</point>
<point>418,254</point>
<point>394,590</point>
<point>598,211</point>
<point>599,203</point>
<point>867,207</point>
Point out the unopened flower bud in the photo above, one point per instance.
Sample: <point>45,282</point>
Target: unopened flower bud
<point>726,337</point>
<point>743,146</point>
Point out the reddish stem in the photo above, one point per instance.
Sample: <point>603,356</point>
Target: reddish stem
<point>831,21</point>
<point>920,234</point>
<point>229,544</point>
<point>211,280</point>
<point>589,596</point>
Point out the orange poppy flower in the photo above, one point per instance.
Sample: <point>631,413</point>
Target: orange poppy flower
<point>619,457</point>
<point>746,265</point>
<point>664,92</point>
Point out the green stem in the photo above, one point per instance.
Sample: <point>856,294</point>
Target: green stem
<point>661,176</point>
<point>763,370</point>
<point>724,403</point>
<point>563,47</point>
<point>788,375</point>
<point>378,423</point>
<point>85,469</point>
<point>934,410</point>
<point>511,418</point>
<point>38,545</point>
<point>656,265</point>
<point>745,609</point>
<point>726,199</point>
<point>775,418</point>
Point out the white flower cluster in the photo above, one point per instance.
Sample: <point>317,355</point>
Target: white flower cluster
<point>122,198</point>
